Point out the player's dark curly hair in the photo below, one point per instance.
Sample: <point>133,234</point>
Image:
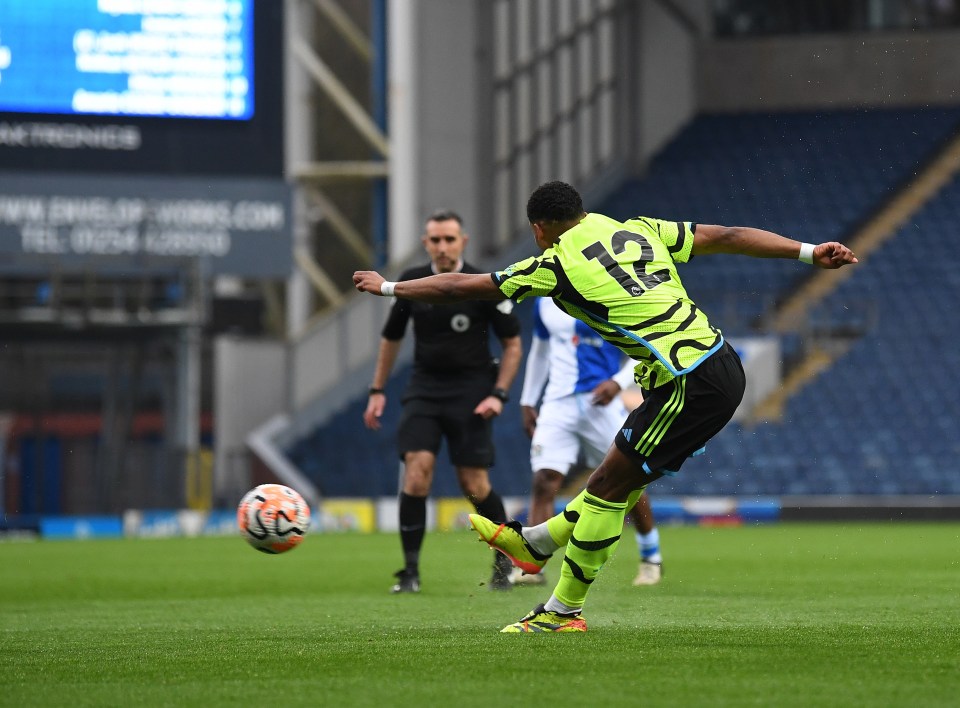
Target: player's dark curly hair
<point>554,201</point>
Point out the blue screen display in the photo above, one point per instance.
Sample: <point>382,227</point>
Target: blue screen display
<point>170,58</point>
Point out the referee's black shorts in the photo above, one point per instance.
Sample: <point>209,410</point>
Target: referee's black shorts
<point>437,409</point>
<point>677,419</point>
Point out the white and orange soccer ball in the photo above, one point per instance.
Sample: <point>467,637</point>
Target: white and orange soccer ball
<point>273,518</point>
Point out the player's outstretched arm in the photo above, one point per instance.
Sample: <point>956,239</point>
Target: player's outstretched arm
<point>443,287</point>
<point>766,244</point>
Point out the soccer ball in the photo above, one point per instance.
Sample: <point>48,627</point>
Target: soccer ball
<point>273,518</point>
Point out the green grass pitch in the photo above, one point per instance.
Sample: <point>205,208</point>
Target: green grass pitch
<point>779,615</point>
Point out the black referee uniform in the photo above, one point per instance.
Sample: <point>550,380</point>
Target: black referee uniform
<point>453,370</point>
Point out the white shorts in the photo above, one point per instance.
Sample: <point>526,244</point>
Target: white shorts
<point>572,429</point>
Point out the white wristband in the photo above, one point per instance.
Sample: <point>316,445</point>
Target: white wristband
<point>806,253</point>
<point>386,288</point>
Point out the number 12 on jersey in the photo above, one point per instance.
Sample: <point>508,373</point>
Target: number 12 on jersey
<point>643,281</point>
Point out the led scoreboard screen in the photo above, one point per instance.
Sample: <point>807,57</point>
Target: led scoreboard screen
<point>158,86</point>
<point>128,57</point>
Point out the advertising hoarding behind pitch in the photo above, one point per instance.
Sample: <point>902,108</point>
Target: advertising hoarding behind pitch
<point>136,224</point>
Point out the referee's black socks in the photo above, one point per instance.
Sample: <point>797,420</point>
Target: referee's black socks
<point>413,523</point>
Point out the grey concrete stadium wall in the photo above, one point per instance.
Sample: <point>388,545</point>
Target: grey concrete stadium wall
<point>435,117</point>
<point>664,79</point>
<point>830,71</point>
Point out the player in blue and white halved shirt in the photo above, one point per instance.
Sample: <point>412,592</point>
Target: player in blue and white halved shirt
<point>576,378</point>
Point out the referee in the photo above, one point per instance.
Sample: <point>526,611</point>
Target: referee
<point>454,392</point>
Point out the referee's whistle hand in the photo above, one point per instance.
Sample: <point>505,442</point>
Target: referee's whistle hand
<point>489,407</point>
<point>371,416</point>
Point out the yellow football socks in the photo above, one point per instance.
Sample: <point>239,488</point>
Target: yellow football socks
<point>594,539</point>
